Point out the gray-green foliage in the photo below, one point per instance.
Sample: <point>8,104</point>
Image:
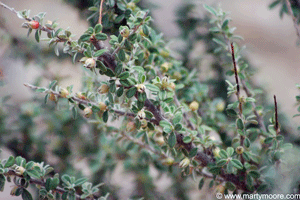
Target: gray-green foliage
<point>171,117</point>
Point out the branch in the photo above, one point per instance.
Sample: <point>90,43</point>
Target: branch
<point>237,81</point>
<point>289,6</point>
<point>276,116</point>
<point>144,146</point>
<point>39,182</point>
<point>100,12</point>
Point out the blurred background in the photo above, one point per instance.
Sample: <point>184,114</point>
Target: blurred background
<point>270,41</point>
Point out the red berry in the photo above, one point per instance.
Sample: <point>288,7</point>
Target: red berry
<point>34,24</point>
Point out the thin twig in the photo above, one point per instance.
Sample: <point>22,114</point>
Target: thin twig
<point>289,6</point>
<point>276,116</point>
<point>85,102</point>
<point>100,12</point>
<point>144,146</point>
<point>237,81</point>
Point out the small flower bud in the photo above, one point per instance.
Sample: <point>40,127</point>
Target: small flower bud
<point>142,33</point>
<point>184,163</point>
<point>102,106</point>
<point>90,63</point>
<point>52,97</point>
<point>20,170</point>
<point>141,88</point>
<point>64,93</point>
<point>165,82</point>
<point>216,152</point>
<point>131,6</point>
<point>177,75</point>
<point>130,127</point>
<point>125,32</point>
<point>194,106</point>
<point>172,85</point>
<point>141,114</point>
<point>144,123</point>
<point>168,161</point>
<point>87,112</point>
<point>81,96</point>
<point>165,67</point>
<point>164,53</point>
<point>34,24</point>
<point>239,150</point>
<point>103,89</point>
<point>220,189</point>
<point>159,140</point>
<point>220,106</point>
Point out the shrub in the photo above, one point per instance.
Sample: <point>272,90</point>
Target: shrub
<point>147,109</point>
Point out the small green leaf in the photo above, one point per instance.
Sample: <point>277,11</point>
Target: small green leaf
<point>237,164</point>
<point>26,195</point>
<point>178,127</point>
<point>230,151</point>
<point>74,112</point>
<point>100,52</point>
<point>225,23</point>
<point>105,116</point>
<point>223,154</point>
<point>222,162</point>
<point>268,140</point>
<point>172,140</point>
<point>80,181</point>
<point>124,75</point>
<point>85,37</point>
<point>40,90</point>
<point>9,162</point>
<point>101,66</point>
<point>149,114</point>
<point>98,27</point>
<point>120,91</point>
<point>210,9</point>
<point>231,112</point>
<point>54,183</point>
<point>131,92</point>
<point>37,36</point>
<point>230,186</point>
<point>52,84</point>
<point>215,170</point>
<point>101,36</point>
<point>2,182</point>
<point>48,184</point>
<point>177,118</point>
<point>187,139</point>
<point>109,72</point>
<point>152,87</point>
<point>254,174</point>
<point>122,55</point>
<point>193,152</point>
<point>247,142</point>
<point>33,173</point>
<point>201,183</point>
<point>240,124</point>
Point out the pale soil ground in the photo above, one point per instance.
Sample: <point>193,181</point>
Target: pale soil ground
<point>270,46</point>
